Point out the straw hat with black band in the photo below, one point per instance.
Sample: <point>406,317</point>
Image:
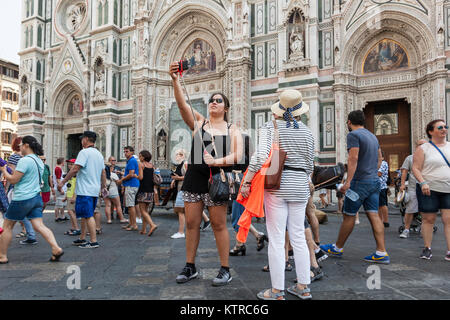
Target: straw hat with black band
<point>290,106</point>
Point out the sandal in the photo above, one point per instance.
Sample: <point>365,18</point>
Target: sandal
<point>132,229</point>
<point>288,267</point>
<point>260,242</point>
<point>4,262</point>
<point>124,221</point>
<point>294,290</point>
<point>99,231</point>
<point>56,257</point>
<point>127,226</point>
<point>72,232</point>
<point>317,274</point>
<point>21,235</point>
<point>152,230</point>
<point>272,296</point>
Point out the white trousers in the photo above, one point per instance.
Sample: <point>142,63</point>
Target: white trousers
<point>279,214</point>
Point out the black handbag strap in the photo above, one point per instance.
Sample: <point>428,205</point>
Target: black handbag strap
<point>442,154</point>
<point>39,172</point>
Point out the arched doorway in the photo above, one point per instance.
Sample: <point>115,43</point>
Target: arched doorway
<point>390,121</point>
<point>64,123</point>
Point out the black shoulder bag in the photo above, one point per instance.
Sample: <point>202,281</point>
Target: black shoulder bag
<point>223,186</point>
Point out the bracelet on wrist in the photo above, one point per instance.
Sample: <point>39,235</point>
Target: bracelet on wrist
<point>423,183</point>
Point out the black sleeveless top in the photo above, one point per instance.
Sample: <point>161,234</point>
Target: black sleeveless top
<point>198,172</point>
<point>146,184</point>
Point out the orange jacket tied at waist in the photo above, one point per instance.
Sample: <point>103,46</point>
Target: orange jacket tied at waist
<point>254,204</point>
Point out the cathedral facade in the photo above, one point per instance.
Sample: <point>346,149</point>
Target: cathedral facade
<point>102,65</point>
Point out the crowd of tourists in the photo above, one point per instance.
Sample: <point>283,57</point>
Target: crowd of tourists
<point>220,148</point>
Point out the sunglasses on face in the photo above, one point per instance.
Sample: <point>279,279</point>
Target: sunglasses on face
<point>442,127</point>
<point>219,100</point>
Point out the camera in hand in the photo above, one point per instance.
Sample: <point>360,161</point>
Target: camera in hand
<point>183,65</point>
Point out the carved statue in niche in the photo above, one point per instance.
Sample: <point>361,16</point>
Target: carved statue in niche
<point>99,78</point>
<point>162,145</point>
<point>296,30</point>
<point>24,93</point>
<point>245,13</point>
<point>230,24</point>
<point>297,45</point>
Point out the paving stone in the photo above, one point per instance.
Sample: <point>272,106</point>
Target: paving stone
<point>129,266</point>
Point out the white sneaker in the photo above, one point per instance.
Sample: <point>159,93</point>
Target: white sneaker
<point>139,221</point>
<point>404,234</point>
<point>178,236</point>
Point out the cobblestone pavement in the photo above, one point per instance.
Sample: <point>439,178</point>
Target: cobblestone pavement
<point>130,266</point>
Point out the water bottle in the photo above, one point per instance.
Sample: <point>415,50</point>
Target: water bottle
<point>352,195</point>
<point>157,171</point>
<point>339,186</point>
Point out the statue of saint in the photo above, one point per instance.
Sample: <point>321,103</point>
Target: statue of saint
<point>161,148</point>
<point>100,83</point>
<point>297,45</point>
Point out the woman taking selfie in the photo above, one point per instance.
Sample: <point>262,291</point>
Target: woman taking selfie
<point>27,201</point>
<point>228,143</point>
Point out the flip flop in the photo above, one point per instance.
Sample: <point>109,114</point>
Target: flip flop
<point>151,231</point>
<point>56,257</point>
<point>4,262</point>
<point>124,221</point>
<point>131,229</point>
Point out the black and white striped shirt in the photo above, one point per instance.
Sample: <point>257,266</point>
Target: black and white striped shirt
<point>299,145</point>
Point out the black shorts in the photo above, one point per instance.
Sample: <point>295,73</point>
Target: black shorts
<point>434,202</point>
<point>383,198</point>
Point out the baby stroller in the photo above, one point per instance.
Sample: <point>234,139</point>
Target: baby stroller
<point>402,200</point>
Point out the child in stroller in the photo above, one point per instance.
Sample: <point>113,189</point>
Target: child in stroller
<point>402,199</point>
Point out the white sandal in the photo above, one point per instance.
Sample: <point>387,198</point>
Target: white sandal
<point>273,296</point>
<point>294,290</point>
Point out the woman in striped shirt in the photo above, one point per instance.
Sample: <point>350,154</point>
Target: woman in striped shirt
<point>286,207</point>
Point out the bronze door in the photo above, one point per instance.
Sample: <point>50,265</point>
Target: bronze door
<point>390,122</point>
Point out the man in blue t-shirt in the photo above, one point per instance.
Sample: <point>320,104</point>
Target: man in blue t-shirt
<point>131,184</point>
<point>362,188</point>
<point>91,178</point>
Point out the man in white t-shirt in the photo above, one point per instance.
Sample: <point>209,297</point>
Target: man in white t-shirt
<point>91,178</point>
<point>412,206</point>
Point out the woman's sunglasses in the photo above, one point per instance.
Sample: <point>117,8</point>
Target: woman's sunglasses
<point>215,100</point>
<point>442,127</point>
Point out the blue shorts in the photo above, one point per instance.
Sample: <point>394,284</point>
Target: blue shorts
<point>434,202</point>
<point>85,206</point>
<point>369,196</point>
<point>30,209</point>
<point>236,213</point>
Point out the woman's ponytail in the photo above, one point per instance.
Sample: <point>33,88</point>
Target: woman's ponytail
<point>34,145</point>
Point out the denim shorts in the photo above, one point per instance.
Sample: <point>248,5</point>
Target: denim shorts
<point>179,203</point>
<point>30,209</point>
<point>369,196</point>
<point>434,202</point>
<point>85,206</point>
<point>236,213</point>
